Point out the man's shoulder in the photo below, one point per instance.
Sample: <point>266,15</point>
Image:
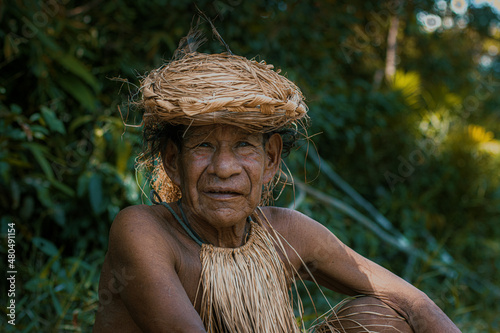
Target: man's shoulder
<point>144,211</point>
<point>280,214</point>
<point>140,224</point>
<point>287,220</point>
<point>142,216</point>
<point>301,232</point>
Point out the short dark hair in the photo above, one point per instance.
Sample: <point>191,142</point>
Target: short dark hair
<point>155,139</point>
<point>289,136</point>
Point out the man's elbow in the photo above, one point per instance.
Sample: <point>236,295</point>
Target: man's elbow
<point>426,316</point>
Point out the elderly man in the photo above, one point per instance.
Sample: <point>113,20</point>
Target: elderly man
<point>206,257</point>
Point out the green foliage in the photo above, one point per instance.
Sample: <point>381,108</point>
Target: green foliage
<point>422,147</point>
<point>59,293</point>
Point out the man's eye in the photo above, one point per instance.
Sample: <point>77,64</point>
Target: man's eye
<point>205,145</point>
<point>244,144</point>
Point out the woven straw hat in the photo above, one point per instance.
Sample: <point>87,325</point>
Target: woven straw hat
<point>205,89</point>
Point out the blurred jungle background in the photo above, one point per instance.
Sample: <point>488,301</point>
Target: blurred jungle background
<point>404,98</point>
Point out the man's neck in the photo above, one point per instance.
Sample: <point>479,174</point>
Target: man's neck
<point>228,236</point>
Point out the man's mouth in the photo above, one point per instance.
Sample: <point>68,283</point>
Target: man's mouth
<point>222,194</point>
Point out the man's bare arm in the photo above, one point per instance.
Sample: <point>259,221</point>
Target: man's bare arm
<point>337,267</point>
<point>154,296</point>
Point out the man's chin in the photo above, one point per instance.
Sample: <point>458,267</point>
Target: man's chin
<point>225,211</point>
<point>228,216</point>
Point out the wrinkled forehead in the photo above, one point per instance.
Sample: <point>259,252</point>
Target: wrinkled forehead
<point>220,131</point>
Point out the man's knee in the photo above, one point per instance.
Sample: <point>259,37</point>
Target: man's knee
<point>365,314</point>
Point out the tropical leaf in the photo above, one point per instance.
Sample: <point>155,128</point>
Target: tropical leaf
<point>79,121</point>
<point>78,90</point>
<point>45,246</point>
<point>51,119</point>
<point>76,67</point>
<point>39,153</point>
<point>409,85</point>
<point>96,194</point>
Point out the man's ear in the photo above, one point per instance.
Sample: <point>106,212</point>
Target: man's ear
<point>170,158</point>
<point>274,146</point>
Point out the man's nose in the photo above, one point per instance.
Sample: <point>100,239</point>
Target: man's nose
<point>225,163</point>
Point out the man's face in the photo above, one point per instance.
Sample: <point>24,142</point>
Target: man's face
<point>220,170</point>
